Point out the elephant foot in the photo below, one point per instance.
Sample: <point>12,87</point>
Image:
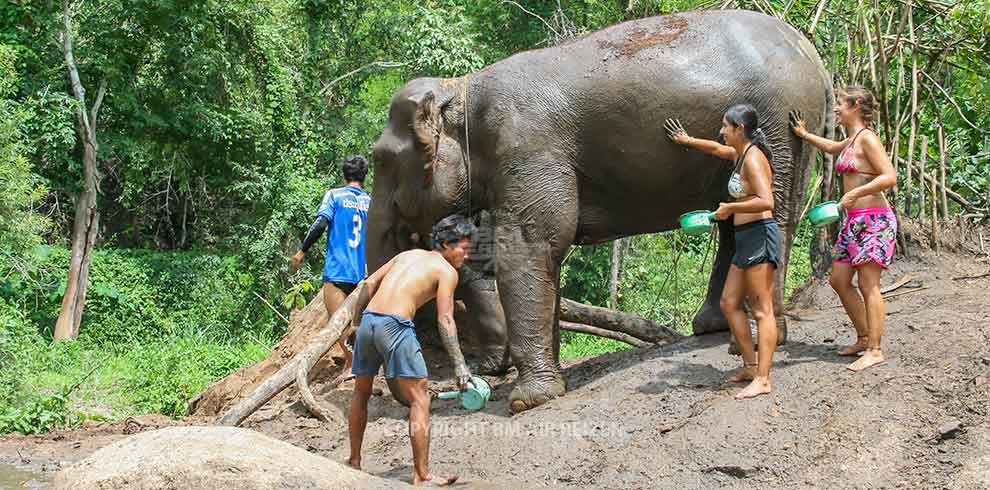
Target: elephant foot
<point>709,319</point>
<point>490,366</point>
<point>533,391</point>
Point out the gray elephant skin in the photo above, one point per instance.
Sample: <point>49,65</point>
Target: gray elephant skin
<point>565,146</point>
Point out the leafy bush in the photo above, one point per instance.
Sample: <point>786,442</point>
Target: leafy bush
<point>37,415</point>
<point>157,329</point>
<point>137,295</point>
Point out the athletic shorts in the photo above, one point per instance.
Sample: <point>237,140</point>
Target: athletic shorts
<point>389,340</point>
<point>867,235</point>
<point>346,287</point>
<point>757,242</point>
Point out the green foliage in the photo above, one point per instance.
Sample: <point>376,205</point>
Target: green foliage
<point>37,415</point>
<point>295,297</point>
<point>575,345</point>
<point>139,295</point>
<point>20,189</point>
<point>162,376</point>
<point>159,327</point>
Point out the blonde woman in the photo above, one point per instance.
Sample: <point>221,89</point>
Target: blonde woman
<point>865,245</point>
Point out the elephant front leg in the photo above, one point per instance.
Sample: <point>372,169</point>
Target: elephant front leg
<point>528,278</point>
<point>488,322</point>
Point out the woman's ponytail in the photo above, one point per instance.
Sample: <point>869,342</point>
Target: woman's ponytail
<point>745,115</point>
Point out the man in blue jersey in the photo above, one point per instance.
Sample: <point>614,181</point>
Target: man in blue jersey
<point>345,211</point>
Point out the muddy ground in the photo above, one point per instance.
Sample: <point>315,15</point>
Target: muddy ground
<point>662,417</point>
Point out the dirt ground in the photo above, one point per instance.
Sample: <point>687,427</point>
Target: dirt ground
<point>662,417</point>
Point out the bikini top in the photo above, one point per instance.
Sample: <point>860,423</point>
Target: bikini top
<point>846,163</point>
<point>735,186</point>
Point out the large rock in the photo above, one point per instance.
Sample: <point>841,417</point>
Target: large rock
<point>190,458</point>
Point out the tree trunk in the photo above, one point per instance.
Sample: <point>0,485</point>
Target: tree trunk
<point>85,228</point>
<point>921,180</point>
<point>600,332</point>
<point>603,318</point>
<point>613,282</point>
<point>941,177</point>
<point>914,111</point>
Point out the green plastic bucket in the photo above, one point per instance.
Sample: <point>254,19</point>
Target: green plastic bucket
<point>824,213</point>
<point>697,222</point>
<point>474,397</point>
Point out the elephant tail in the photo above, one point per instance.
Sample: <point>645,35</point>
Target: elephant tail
<point>829,117</point>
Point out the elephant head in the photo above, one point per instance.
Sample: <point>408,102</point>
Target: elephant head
<point>420,175</point>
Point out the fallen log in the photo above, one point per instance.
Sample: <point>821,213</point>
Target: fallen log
<point>297,369</point>
<point>608,334</point>
<point>616,321</point>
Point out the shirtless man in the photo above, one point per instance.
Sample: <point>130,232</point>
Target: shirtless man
<point>387,336</point>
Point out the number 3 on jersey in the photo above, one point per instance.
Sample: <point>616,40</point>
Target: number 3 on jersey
<point>354,242</point>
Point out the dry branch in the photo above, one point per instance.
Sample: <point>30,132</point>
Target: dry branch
<point>921,179</point>
<point>605,319</point>
<point>949,192</point>
<point>897,285</point>
<point>601,332</point>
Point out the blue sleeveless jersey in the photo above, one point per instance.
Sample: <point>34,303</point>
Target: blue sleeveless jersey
<point>346,209</point>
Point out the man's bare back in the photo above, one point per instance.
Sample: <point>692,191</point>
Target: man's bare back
<point>408,281</point>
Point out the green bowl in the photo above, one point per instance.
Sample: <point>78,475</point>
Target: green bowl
<point>474,397</point>
<point>697,222</point>
<point>824,213</point>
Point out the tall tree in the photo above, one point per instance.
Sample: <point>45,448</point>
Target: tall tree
<point>86,225</point>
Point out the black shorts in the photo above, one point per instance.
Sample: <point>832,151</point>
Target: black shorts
<point>346,287</point>
<point>757,242</point>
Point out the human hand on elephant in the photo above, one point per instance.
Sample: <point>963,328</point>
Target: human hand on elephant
<point>676,131</point>
<point>797,124</point>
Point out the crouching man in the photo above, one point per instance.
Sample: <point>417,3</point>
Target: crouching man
<point>387,336</point>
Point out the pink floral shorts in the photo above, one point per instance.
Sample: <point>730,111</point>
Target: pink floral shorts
<point>868,234</point>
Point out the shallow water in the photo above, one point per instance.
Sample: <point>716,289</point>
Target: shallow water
<point>14,478</point>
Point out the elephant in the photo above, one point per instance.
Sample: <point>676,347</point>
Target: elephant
<point>565,146</point>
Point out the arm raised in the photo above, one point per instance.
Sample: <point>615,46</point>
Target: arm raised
<point>677,134</point>
<point>823,144</point>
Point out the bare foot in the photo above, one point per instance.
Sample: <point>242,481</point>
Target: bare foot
<point>354,463</point>
<point>872,357</point>
<point>746,373</point>
<point>432,480</point>
<point>854,349</point>
<point>759,386</point>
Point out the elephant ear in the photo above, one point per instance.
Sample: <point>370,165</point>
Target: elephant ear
<point>427,126</point>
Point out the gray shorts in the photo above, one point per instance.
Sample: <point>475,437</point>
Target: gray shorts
<point>389,340</point>
<point>757,242</point>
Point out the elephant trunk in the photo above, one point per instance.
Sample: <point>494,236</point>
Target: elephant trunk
<point>381,240</point>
